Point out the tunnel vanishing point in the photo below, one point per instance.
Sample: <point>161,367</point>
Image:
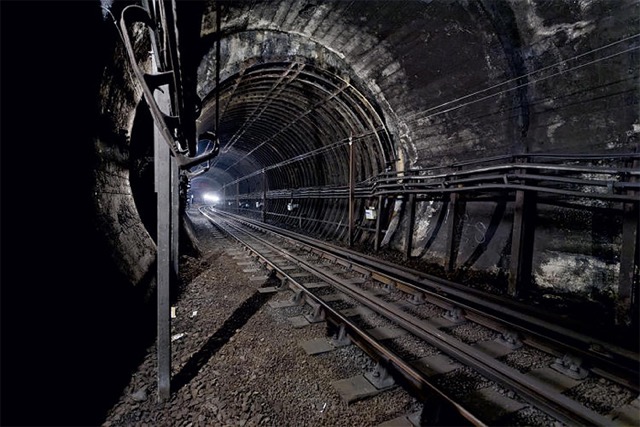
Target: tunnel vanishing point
<point>491,142</point>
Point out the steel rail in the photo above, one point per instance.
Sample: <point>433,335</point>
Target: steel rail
<point>417,380</point>
<point>622,362</point>
<point>542,395</point>
<point>535,390</point>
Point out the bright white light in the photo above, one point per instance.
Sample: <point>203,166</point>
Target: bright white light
<point>211,198</point>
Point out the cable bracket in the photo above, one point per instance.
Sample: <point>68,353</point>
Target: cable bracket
<point>170,126</point>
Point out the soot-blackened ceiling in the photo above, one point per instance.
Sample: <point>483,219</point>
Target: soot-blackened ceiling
<point>294,120</point>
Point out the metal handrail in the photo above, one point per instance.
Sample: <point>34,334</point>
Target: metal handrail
<point>511,176</point>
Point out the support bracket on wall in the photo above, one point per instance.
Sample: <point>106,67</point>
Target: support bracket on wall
<point>169,125</point>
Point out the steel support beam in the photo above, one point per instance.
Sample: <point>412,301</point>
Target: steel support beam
<point>378,237</point>
<point>629,265</point>
<point>264,196</point>
<point>411,205</point>
<point>162,169</point>
<point>522,239</point>
<point>351,192</point>
<point>175,217</point>
<point>627,303</point>
<point>456,210</point>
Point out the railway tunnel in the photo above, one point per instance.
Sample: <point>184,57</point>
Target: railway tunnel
<point>397,128</point>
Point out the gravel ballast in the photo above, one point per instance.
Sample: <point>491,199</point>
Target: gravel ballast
<point>236,361</point>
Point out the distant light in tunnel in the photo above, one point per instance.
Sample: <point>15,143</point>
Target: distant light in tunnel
<point>211,198</point>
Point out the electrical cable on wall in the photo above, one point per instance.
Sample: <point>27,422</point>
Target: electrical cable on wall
<point>413,118</point>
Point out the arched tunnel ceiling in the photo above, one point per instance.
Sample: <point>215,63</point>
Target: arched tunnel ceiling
<point>291,114</point>
<point>413,84</point>
<point>444,80</point>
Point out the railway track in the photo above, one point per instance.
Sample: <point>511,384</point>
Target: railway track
<point>376,305</point>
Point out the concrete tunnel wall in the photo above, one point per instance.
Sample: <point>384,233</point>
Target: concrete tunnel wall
<point>405,59</point>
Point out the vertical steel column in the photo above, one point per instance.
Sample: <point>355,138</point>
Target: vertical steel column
<point>351,192</point>
<point>456,209</point>
<point>629,261</point>
<point>409,232</point>
<point>376,244</point>
<point>175,216</point>
<point>522,239</point>
<point>264,196</point>
<point>162,170</point>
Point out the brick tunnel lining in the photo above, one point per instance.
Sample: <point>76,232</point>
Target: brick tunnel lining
<point>289,123</point>
<point>406,64</point>
<point>297,117</point>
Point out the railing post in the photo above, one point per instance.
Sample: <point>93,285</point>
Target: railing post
<point>351,192</point>
<point>175,217</point>
<point>629,261</point>
<point>162,172</point>
<point>522,242</point>
<point>409,233</point>
<point>264,196</point>
<point>456,208</point>
<point>376,244</point>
